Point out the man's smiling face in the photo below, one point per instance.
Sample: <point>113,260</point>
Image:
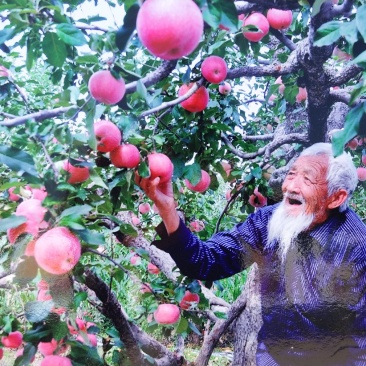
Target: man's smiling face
<point>305,188</point>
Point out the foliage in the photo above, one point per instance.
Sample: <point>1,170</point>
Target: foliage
<point>48,52</point>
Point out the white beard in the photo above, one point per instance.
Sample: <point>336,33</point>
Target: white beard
<point>285,227</point>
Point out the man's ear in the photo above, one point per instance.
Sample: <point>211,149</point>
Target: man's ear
<point>337,199</point>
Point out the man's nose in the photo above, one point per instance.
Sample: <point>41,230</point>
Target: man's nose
<point>292,185</point>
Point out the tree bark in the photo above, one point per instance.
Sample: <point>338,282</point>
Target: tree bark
<point>248,323</point>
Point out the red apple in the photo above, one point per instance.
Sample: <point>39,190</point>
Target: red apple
<point>54,360</point>
<point>257,199</point>
<point>12,196</point>
<point>32,209</point>
<point>214,69</point>
<point>227,167</point>
<point>169,29</point>
<point>361,173</point>
<point>47,348</point>
<point>135,260</point>
<point>145,288</point>
<point>167,314</point>
<point>4,72</point>
<point>198,101</point>
<point>12,340</point>
<point>135,220</point>
<point>77,174</point>
<point>196,226</point>
<point>202,185</point>
<point>189,300</point>
<point>108,135</point>
<point>105,88</point>
<point>353,144</point>
<point>144,207</point>
<point>88,338</point>
<point>363,157</point>
<point>57,251</point>
<point>301,95</point>
<point>279,19</point>
<point>281,88</point>
<point>224,88</point>
<point>151,268</point>
<point>160,166</point>
<point>125,156</point>
<point>261,22</point>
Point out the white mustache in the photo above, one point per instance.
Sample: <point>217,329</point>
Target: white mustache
<point>294,197</point>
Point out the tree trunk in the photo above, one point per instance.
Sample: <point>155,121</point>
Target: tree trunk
<point>248,323</point>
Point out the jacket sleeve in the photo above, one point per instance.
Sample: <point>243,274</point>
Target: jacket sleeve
<point>223,255</point>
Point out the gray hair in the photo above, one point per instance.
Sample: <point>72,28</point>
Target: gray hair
<point>342,173</point>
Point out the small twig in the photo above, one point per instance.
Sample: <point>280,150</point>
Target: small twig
<point>48,158</point>
<point>173,102</point>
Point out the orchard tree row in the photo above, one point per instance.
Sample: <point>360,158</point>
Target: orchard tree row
<point>217,95</point>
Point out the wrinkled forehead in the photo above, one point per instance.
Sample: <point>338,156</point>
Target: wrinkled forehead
<point>312,164</point>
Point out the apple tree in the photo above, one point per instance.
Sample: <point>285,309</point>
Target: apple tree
<point>220,95</point>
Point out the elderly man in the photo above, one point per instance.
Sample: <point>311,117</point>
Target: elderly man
<point>311,253</point>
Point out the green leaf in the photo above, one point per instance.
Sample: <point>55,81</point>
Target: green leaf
<point>124,33</point>
<point>182,325</point>
<point>350,130</point>
<point>91,237</point>
<point>17,160</point>
<point>54,49</point>
<point>193,173</point>
<point>11,221</point>
<point>26,271</point>
<point>37,311</point>
<point>229,16</point>
<point>359,59</point>
<point>141,90</point>
<point>194,328</point>
<point>6,34</point>
<point>128,230</point>
<point>143,170</point>
<point>316,7</point>
<point>87,59</point>
<point>27,357</point>
<point>70,34</point>
<point>327,33</point>
<point>76,210</point>
<point>360,21</point>
<point>349,31</point>
<point>90,112</point>
<point>96,179</point>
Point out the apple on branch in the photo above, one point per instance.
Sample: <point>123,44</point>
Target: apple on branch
<point>258,20</point>
<point>167,314</point>
<point>162,27</point>
<point>125,156</point>
<point>197,102</point>
<point>76,174</point>
<point>108,135</point>
<point>224,88</point>
<point>57,251</point>
<point>214,69</point>
<point>202,185</point>
<point>106,88</point>
<point>279,19</point>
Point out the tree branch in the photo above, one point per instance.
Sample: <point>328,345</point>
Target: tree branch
<point>159,74</point>
<point>112,309</point>
<point>37,116</point>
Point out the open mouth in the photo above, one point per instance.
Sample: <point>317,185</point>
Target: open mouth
<point>293,201</point>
